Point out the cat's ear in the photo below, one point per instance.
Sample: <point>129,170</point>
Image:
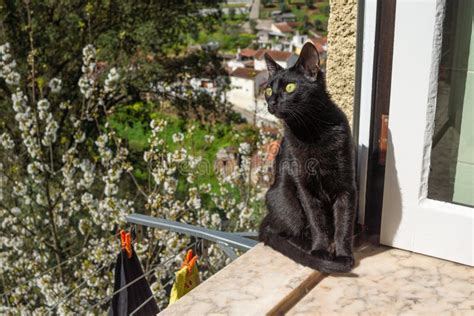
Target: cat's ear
<point>272,66</point>
<point>308,62</point>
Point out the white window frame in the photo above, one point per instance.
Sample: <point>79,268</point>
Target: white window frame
<point>409,219</point>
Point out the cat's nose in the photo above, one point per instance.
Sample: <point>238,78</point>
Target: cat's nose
<point>271,106</point>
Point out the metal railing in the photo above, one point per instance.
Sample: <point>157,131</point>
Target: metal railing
<point>225,240</point>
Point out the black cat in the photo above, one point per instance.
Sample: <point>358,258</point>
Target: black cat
<point>311,204</point>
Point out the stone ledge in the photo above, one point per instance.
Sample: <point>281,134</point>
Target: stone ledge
<point>260,282</point>
<point>385,281</point>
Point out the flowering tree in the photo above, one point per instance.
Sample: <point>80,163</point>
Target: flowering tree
<point>66,184</point>
<point>147,35</point>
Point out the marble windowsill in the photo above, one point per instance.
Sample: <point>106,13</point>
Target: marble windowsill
<point>251,285</point>
<point>390,281</point>
<point>385,281</point>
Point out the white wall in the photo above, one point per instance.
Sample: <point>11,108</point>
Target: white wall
<point>276,30</point>
<point>243,96</point>
<point>234,64</point>
<point>242,93</point>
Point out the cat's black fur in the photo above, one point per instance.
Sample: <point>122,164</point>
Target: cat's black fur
<point>311,204</point>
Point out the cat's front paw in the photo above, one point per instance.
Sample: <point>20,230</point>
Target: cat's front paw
<point>346,260</point>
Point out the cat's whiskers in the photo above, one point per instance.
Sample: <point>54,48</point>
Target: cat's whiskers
<point>299,119</point>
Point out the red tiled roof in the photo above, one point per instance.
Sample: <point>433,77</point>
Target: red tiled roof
<point>319,43</point>
<point>293,24</point>
<point>320,40</point>
<point>275,54</point>
<point>259,53</point>
<point>287,27</point>
<point>246,73</point>
<point>284,27</point>
<point>247,52</point>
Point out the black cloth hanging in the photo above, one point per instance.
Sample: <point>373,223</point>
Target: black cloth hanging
<point>126,301</point>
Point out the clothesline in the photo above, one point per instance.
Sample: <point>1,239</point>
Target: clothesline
<point>41,274</point>
<point>150,298</point>
<point>68,295</point>
<point>108,297</point>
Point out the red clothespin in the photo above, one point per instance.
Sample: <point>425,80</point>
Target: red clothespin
<point>126,242</point>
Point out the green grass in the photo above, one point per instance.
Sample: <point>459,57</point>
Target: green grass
<point>228,34</point>
<point>229,39</point>
<point>318,16</point>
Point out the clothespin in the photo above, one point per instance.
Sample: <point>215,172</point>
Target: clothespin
<point>189,260</point>
<point>126,242</point>
<point>137,233</point>
<point>201,247</point>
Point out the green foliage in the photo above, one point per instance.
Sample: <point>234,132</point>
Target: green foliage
<point>80,185</point>
<point>325,9</point>
<point>306,12</point>
<point>318,25</point>
<point>253,26</point>
<point>141,34</point>
<point>132,124</point>
<point>284,7</point>
<point>228,38</point>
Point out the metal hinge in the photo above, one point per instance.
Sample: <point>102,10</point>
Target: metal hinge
<point>383,139</point>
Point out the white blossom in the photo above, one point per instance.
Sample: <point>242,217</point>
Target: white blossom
<point>85,85</point>
<point>178,137</point>
<point>215,220</point>
<point>13,78</point>
<point>5,52</point>
<point>209,138</point>
<point>87,81</point>
<point>88,191</point>
<point>50,133</point>
<point>16,211</point>
<point>112,80</point>
<point>55,85</point>
<point>6,141</point>
<point>7,66</point>
<point>19,189</point>
<point>41,200</point>
<point>244,148</point>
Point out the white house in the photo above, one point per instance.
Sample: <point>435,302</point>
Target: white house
<point>246,84</point>
<point>276,36</point>
<point>243,59</point>
<point>244,87</point>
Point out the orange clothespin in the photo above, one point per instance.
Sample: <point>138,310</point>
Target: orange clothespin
<point>189,260</point>
<point>126,242</point>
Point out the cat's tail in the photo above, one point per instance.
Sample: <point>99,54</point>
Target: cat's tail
<point>299,255</point>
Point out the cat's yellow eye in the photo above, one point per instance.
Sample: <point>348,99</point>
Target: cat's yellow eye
<point>290,87</point>
<point>268,92</point>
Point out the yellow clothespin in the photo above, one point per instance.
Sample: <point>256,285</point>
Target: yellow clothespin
<point>187,277</point>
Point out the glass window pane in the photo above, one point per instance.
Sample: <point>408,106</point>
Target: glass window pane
<point>451,176</point>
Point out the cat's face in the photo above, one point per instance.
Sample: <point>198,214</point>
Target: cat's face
<point>289,91</point>
<point>286,91</point>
